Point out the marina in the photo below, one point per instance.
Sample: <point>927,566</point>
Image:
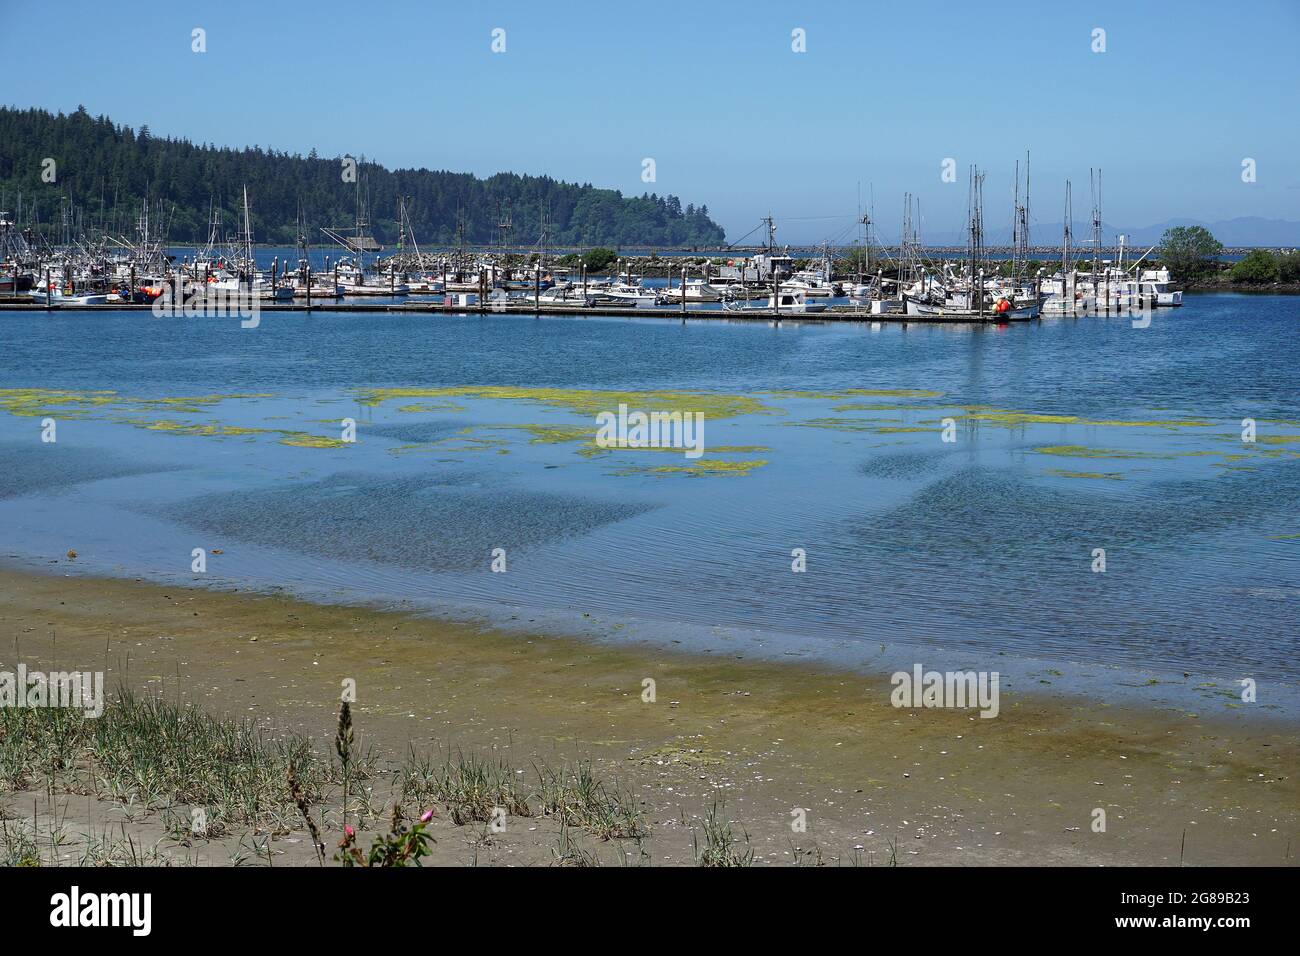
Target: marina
<point>908,283</point>
<point>517,436</point>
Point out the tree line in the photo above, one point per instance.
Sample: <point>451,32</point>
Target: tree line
<point>1192,252</point>
<point>103,171</point>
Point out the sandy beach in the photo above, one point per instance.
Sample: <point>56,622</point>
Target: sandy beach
<point>770,745</point>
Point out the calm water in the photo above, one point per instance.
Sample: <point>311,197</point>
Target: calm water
<point>977,552</point>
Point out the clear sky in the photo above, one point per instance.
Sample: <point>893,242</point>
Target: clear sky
<point>714,93</point>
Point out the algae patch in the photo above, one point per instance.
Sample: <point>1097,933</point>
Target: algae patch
<point>856,393</point>
<point>1013,419</point>
<point>418,407</point>
<point>872,426</point>
<point>1105,475</point>
<point>700,468</point>
<point>1081,451</point>
<point>304,440</point>
<point>591,402</point>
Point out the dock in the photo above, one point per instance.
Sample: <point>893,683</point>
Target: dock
<point>832,314</point>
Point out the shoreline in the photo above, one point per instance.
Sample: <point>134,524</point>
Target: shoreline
<point>946,786</point>
<point>1166,688</point>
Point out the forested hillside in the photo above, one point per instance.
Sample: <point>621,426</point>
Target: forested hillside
<point>105,170</point>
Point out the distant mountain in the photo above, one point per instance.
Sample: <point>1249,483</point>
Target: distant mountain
<point>1242,231</point>
<point>106,170</point>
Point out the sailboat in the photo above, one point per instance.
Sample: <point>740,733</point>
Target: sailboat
<point>976,295</point>
<point>351,273</point>
<point>240,276</point>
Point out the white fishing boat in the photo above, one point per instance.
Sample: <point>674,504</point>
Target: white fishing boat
<point>568,295</point>
<point>1002,309</point>
<point>319,290</point>
<point>811,287</point>
<point>1156,283</point>
<point>627,294</point>
<point>424,285</point>
<point>355,281</point>
<point>56,297</point>
<point>259,287</point>
<point>1071,301</point>
<point>697,290</point>
<point>374,287</point>
<point>787,300</point>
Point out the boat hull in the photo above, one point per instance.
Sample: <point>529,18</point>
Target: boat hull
<point>929,310</point>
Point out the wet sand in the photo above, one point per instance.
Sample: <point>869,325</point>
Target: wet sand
<point>944,787</point>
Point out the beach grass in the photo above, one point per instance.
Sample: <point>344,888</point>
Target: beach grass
<point>146,751</point>
<point>716,844</point>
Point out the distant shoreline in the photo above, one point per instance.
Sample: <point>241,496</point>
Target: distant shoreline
<point>1225,284</point>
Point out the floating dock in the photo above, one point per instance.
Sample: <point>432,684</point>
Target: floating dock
<point>832,314</point>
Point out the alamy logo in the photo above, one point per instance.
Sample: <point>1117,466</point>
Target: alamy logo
<point>654,430</point>
<point>184,299</point>
<point>83,690</point>
<point>103,909</point>
<point>958,689</point>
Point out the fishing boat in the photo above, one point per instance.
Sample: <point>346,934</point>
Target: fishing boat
<point>975,294</point>
<point>815,283</point>
<point>785,300</point>
<point>625,293</point>
<point>1000,310</point>
<point>570,295</point>
<point>56,297</point>
<point>696,290</point>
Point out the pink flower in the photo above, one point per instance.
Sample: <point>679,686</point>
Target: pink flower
<point>426,816</point>
<point>349,831</point>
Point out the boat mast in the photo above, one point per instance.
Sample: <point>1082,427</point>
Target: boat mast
<point>904,233</point>
<point>1024,212</point>
<point>1015,226</point>
<point>304,253</point>
<point>975,204</point>
<point>248,235</point>
<point>1096,225</point>
<point>1065,239</point>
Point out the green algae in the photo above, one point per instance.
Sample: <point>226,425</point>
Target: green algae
<point>38,402</point>
<point>1081,451</point>
<point>1106,475</point>
<point>418,407</point>
<point>872,425</point>
<point>881,407</point>
<point>699,468</point>
<point>838,424</point>
<point>194,404</point>
<point>553,434</point>
<point>1277,439</point>
<point>856,392</point>
<point>202,429</point>
<point>463,440</point>
<point>35,402</point>
<point>1012,419</point>
<point>305,440</point>
<point>563,434</point>
<point>297,439</point>
<point>585,401</point>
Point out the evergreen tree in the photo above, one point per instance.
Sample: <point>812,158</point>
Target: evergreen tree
<point>107,170</point>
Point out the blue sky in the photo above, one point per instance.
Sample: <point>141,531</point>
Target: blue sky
<point>714,93</point>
